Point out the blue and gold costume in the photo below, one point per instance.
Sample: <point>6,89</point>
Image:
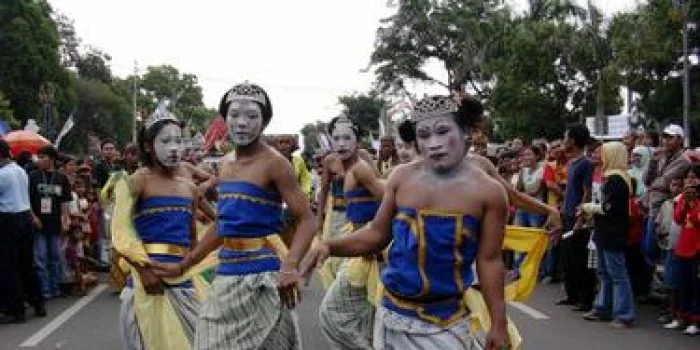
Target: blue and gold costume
<point>346,313</point>
<point>429,263</point>
<point>163,229</point>
<point>243,309</point>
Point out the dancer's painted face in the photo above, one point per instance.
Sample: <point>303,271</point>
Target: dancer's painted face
<point>167,146</point>
<point>441,142</point>
<point>406,151</point>
<point>244,121</point>
<point>344,140</point>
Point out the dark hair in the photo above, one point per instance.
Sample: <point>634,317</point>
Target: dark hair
<point>4,149</point>
<point>579,134</point>
<point>131,148</point>
<point>693,168</point>
<point>48,151</point>
<point>654,136</point>
<point>107,142</point>
<point>470,113</point>
<point>266,107</point>
<point>24,158</point>
<point>633,182</point>
<point>407,131</point>
<point>146,137</point>
<point>537,151</point>
<point>355,127</point>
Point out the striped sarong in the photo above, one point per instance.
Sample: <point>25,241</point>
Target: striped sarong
<point>346,315</point>
<point>245,312</point>
<point>185,305</point>
<point>393,331</point>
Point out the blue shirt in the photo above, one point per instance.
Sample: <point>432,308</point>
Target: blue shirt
<point>14,189</point>
<point>579,177</point>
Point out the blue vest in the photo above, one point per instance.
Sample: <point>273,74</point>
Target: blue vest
<point>428,267</point>
<point>361,206</point>
<point>247,214</point>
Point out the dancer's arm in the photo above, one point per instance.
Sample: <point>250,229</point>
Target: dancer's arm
<point>210,242</point>
<point>489,263</point>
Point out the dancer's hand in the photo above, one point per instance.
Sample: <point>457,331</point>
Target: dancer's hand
<point>163,269</point>
<point>152,284</point>
<point>288,285</point>
<point>497,339</point>
<point>313,259</point>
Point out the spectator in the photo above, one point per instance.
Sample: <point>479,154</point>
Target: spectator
<point>687,215</point>
<point>662,169</point>
<point>106,164</point>
<point>531,182</point>
<point>24,160</point>
<point>578,190</point>
<point>668,232</point>
<point>554,177</point>
<point>629,139</point>
<point>641,155</point>
<point>650,139</point>
<point>16,243</point>
<point>614,300</point>
<point>70,168</point>
<point>49,193</point>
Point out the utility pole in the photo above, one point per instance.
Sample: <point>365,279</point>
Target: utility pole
<point>136,114</point>
<point>686,74</point>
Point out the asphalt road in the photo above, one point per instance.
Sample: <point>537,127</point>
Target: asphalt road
<point>90,323</point>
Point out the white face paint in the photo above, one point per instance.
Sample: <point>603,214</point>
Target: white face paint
<point>406,151</point>
<point>344,140</point>
<point>440,142</point>
<point>244,121</point>
<point>167,146</point>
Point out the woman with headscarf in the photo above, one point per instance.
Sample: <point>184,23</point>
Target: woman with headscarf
<point>641,155</point>
<point>614,301</point>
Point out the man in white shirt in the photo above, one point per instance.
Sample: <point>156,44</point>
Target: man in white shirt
<point>16,243</point>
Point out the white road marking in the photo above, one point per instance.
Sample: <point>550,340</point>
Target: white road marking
<point>52,326</point>
<point>528,310</point>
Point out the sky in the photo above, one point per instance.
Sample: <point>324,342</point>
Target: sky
<point>305,53</point>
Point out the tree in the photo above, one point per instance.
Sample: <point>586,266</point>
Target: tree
<point>460,34</point>
<point>94,65</point>
<point>165,81</point>
<point>69,42</point>
<point>29,44</point>
<point>6,112</point>
<point>365,109</point>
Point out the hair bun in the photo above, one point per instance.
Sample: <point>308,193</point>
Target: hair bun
<point>471,110</point>
<point>407,131</point>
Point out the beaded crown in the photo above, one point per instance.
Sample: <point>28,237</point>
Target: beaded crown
<point>433,106</point>
<point>247,92</point>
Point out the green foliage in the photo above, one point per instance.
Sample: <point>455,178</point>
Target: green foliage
<point>365,109</point>
<point>30,58</point>
<point>6,112</point>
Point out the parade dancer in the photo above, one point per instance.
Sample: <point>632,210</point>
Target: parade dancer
<point>153,222</point>
<point>247,306</point>
<point>443,212</point>
<point>346,313</point>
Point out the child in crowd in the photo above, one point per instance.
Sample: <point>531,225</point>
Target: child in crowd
<point>687,214</point>
<point>668,232</point>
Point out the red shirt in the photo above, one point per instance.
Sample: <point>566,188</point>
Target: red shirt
<point>689,240</point>
<point>635,233</point>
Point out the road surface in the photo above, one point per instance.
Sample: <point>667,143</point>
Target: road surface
<point>90,323</point>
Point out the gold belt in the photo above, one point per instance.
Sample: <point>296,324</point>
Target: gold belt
<point>244,244</point>
<point>165,248</point>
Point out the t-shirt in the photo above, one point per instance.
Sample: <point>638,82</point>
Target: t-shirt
<point>556,173</point>
<point>579,177</point>
<point>688,244</point>
<point>14,189</point>
<point>47,191</point>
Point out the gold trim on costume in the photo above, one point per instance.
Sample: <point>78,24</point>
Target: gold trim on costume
<point>420,310</point>
<point>459,279</point>
<point>360,199</point>
<point>244,244</point>
<point>422,255</point>
<point>249,198</point>
<point>165,209</point>
<point>165,248</point>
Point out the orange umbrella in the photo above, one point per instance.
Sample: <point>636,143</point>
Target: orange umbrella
<point>25,140</point>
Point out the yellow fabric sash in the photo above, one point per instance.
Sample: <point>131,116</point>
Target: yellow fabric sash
<point>157,320</point>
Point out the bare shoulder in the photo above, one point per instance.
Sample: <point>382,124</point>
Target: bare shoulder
<point>404,172</point>
<point>187,184</point>
<point>483,163</point>
<point>491,190</point>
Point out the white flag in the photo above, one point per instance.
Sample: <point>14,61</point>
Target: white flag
<point>67,126</point>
